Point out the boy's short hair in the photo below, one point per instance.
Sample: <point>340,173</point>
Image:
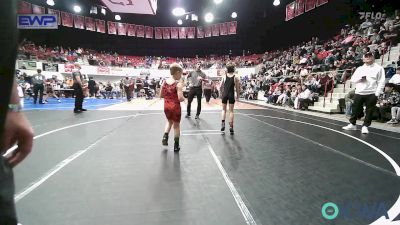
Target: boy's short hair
<point>230,67</point>
<point>174,68</point>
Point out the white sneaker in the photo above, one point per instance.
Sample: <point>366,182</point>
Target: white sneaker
<point>364,130</point>
<point>350,127</point>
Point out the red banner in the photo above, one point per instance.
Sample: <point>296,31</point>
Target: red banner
<point>166,33</point>
<point>223,28</point>
<point>232,27</point>
<point>100,26</point>
<point>200,32</point>
<point>121,28</point>
<point>191,32</point>
<point>55,12</point>
<point>140,31</point>
<point>38,9</point>
<point>112,27</point>
<point>207,31</point>
<point>149,32</point>
<point>131,30</point>
<point>300,4</point>
<point>215,30</point>
<point>290,11</point>
<point>79,22</point>
<point>103,70</point>
<point>89,22</point>
<point>310,4</point>
<point>182,32</point>
<point>24,7</point>
<point>174,32</point>
<point>158,33</point>
<point>67,19</point>
<point>321,2</point>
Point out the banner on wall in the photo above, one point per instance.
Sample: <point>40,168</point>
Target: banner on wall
<point>51,67</point>
<point>200,32</point>
<point>321,2</point>
<point>55,12</point>
<point>174,32</point>
<point>158,33</point>
<point>121,28</point>
<point>140,31</point>
<point>310,4</point>
<point>215,30</point>
<point>100,26</point>
<point>103,70</point>
<point>182,32</point>
<point>89,22</point>
<point>290,10</point>
<point>166,33</point>
<point>79,22</point>
<point>223,28</point>
<point>131,28</point>
<point>232,27</point>
<point>300,4</point>
<point>38,9</point>
<point>191,32</point>
<point>24,7</point>
<point>112,27</point>
<point>28,65</point>
<point>149,32</point>
<point>67,19</point>
<point>207,31</point>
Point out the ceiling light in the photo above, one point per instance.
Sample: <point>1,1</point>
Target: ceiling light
<point>50,2</point>
<point>179,22</point>
<point>93,10</point>
<point>217,1</point>
<point>209,17</point>
<point>234,15</point>
<point>276,2</point>
<point>77,8</point>
<point>178,11</point>
<point>103,11</point>
<point>195,17</point>
<point>117,17</point>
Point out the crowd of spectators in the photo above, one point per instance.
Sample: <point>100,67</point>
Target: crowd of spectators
<point>29,50</point>
<point>298,76</point>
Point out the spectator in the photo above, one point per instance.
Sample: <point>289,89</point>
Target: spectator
<point>349,100</point>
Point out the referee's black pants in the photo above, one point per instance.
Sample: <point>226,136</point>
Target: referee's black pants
<point>194,91</point>
<point>370,104</point>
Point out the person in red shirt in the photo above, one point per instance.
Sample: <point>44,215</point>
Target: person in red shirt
<point>171,91</point>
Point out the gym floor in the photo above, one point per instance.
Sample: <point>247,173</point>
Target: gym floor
<point>107,166</point>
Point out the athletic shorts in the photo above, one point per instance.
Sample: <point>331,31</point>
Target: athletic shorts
<point>230,99</point>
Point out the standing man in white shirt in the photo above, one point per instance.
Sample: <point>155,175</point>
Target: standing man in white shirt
<point>369,80</point>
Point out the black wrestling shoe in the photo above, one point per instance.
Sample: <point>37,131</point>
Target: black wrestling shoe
<point>177,148</point>
<point>187,116</point>
<point>222,127</point>
<point>231,130</point>
<point>197,117</point>
<point>77,111</point>
<point>165,140</point>
<point>84,110</point>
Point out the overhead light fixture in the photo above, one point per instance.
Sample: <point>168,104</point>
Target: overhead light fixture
<point>195,17</point>
<point>209,17</point>
<point>234,15</point>
<point>103,11</point>
<point>178,11</point>
<point>50,2</point>
<point>179,22</point>
<point>276,2</point>
<point>117,17</point>
<point>217,1</point>
<point>77,9</point>
<point>93,10</point>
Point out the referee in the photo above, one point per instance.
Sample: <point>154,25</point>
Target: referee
<point>77,77</point>
<point>195,79</point>
<point>369,80</point>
